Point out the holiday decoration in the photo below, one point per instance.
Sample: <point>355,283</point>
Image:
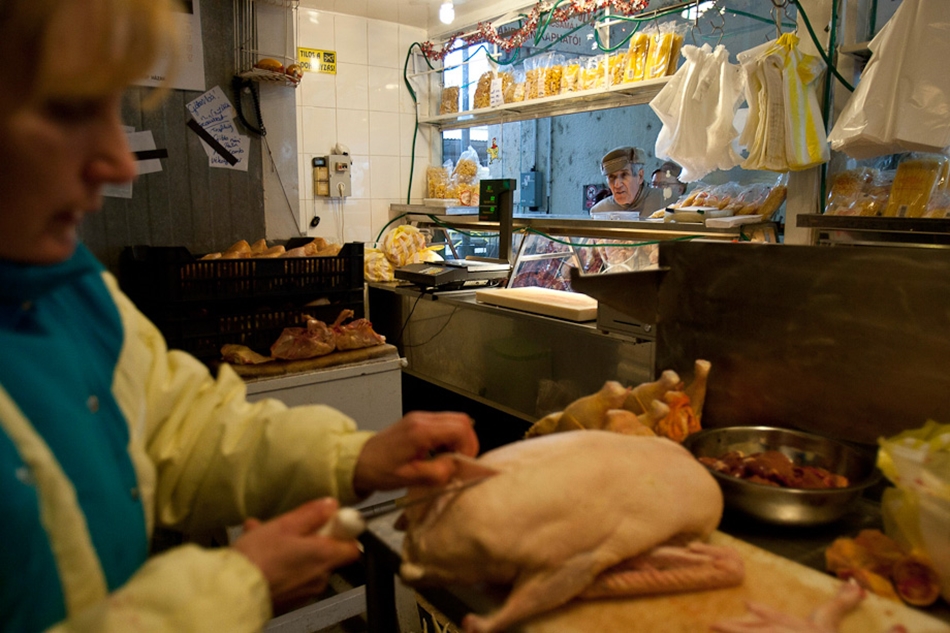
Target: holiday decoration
<point>486,32</point>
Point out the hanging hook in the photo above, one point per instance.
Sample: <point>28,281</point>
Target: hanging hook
<point>719,28</point>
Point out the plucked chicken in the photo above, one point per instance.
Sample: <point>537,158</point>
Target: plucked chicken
<point>356,334</point>
<point>665,407</point>
<point>574,515</point>
<point>295,343</point>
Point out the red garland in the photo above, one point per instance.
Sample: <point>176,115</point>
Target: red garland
<point>485,32</point>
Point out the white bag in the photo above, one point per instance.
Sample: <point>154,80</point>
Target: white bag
<point>902,103</point>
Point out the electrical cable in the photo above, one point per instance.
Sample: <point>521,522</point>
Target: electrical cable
<point>448,320</point>
<point>290,209</point>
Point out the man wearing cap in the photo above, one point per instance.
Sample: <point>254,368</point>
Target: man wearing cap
<point>666,180</point>
<point>623,169</point>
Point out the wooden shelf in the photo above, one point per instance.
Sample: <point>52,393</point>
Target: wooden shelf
<point>931,226</point>
<point>619,96</point>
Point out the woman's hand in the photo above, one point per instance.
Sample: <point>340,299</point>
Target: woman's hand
<point>401,455</point>
<point>296,562</point>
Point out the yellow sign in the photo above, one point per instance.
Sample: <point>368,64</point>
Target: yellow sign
<point>316,61</point>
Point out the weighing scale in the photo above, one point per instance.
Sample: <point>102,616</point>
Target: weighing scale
<point>495,206</point>
<point>453,274</point>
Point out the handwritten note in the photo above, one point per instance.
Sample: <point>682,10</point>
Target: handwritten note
<point>215,113</point>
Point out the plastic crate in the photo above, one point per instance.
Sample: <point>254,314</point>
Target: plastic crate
<point>203,331</point>
<point>171,274</point>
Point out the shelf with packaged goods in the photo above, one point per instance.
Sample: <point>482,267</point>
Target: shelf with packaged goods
<point>930,226</point>
<point>581,227</point>
<point>618,96</point>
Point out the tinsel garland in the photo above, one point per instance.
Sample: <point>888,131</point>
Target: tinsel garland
<point>486,32</point>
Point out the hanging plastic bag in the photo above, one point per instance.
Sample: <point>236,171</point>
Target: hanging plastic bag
<point>916,512</point>
<point>697,108</point>
<point>902,101</point>
<point>785,130</point>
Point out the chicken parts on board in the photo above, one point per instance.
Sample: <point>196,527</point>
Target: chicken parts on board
<point>665,407</point>
<point>538,526</point>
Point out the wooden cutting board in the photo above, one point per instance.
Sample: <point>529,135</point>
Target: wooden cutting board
<point>333,359</point>
<point>778,582</point>
<point>562,304</point>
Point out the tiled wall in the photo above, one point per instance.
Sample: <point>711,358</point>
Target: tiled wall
<point>367,108</point>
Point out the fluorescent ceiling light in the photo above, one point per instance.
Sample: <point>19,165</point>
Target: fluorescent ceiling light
<point>447,12</point>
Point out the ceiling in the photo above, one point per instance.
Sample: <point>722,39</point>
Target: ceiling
<point>423,13</point>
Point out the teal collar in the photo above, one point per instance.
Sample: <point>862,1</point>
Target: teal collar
<point>27,282</point>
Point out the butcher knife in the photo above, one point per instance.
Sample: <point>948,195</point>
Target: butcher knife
<point>348,523</point>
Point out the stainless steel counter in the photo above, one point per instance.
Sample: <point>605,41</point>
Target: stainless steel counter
<point>524,364</point>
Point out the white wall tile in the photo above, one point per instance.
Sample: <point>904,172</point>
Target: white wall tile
<point>407,126</point>
<point>380,216</point>
<point>384,87</point>
<point>418,179</point>
<point>384,134</point>
<point>357,221</point>
<point>317,89</point>
<point>408,35</point>
<point>316,29</point>
<point>352,86</point>
<point>383,42</point>
<point>353,130</point>
<point>305,174</point>
<point>350,37</point>
<point>361,176</point>
<point>326,210</point>
<point>384,176</point>
<point>319,130</point>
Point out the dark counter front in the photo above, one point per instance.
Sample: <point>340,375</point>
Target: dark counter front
<point>805,546</point>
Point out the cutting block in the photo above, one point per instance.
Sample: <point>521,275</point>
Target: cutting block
<point>561,304</point>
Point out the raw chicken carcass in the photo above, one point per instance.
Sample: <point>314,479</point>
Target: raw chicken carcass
<point>296,343</point>
<point>242,355</point>
<point>356,334</point>
<point>575,514</point>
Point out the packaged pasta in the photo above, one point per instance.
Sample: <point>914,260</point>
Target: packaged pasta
<point>571,78</point>
<point>482,97</point>
<point>553,72</point>
<point>595,72</point>
<point>662,44</point>
<point>915,182</point>
<point>616,67</point>
<point>437,182</point>
<point>533,78</point>
<point>517,88</point>
<point>637,56</point>
<point>507,86</point>
<point>466,169</point>
<point>450,100</point>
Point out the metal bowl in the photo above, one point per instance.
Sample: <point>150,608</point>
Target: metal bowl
<point>787,506</point>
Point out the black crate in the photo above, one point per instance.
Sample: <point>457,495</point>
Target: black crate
<point>202,331</point>
<point>171,274</point>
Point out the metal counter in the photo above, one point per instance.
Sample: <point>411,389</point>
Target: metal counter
<point>524,364</point>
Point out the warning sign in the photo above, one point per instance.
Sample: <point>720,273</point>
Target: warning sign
<point>316,61</point>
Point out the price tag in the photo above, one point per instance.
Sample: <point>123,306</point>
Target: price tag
<point>497,96</point>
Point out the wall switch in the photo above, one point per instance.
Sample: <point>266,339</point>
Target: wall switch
<point>339,175</point>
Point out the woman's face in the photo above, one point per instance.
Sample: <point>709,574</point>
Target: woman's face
<point>56,153</point>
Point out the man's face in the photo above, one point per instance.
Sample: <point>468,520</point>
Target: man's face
<point>624,184</point>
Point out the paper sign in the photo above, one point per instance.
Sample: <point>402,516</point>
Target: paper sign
<point>211,107</point>
<point>314,60</point>
<point>214,115</point>
<point>190,72</point>
<point>497,97</point>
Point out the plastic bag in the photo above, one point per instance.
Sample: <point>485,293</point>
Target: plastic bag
<point>450,100</point>
<point>902,101</point>
<point>637,56</point>
<point>916,512</point>
<point>406,244</point>
<point>785,130</point>
<point>571,78</point>
<point>697,108</point>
